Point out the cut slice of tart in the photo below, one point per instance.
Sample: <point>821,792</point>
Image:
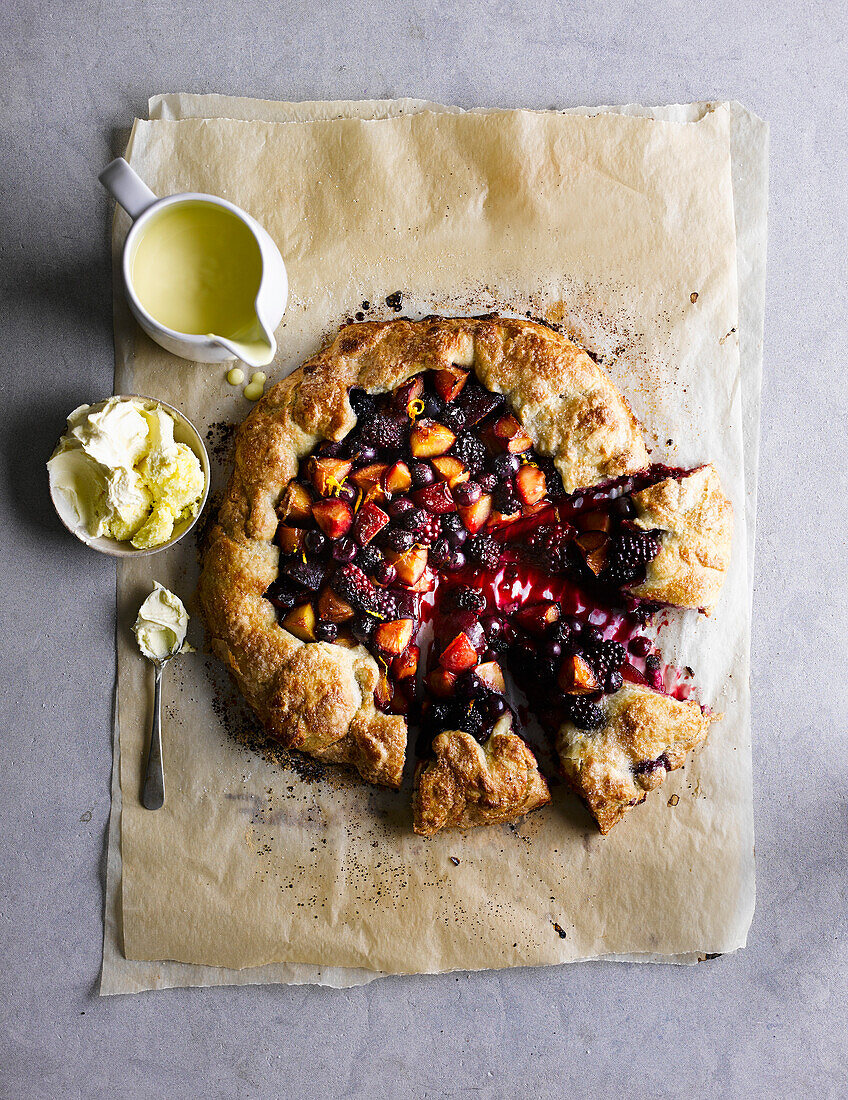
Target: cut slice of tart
<point>615,750</point>
<point>468,783</point>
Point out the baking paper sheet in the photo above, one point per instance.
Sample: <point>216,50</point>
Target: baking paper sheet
<point>604,225</point>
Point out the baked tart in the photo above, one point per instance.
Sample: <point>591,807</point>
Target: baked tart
<point>484,473</point>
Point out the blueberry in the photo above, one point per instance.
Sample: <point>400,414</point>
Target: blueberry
<point>494,707</point>
<point>344,550</point>
<point>385,573</point>
<point>400,507</point>
<point>640,647</point>
<point>314,542</point>
<point>330,449</point>
<point>362,628</point>
<point>366,455</point>
<point>455,562</point>
<point>422,474</point>
<point>347,492</point>
<point>326,632</point>
<point>399,540</point>
<point>467,493</point>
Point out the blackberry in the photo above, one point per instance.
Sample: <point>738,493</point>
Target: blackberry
<point>470,720</point>
<point>384,430</point>
<point>604,657</point>
<point>483,551</point>
<point>629,554</point>
<point>584,713</point>
<point>549,543</point>
<point>553,478</point>
<point>470,451</point>
<point>453,417</point>
<point>352,585</point>
<point>424,525</point>
<point>362,403</point>
<point>505,499</point>
<point>399,540</point>
<point>504,466</point>
<point>368,559</point>
<point>477,402</point>
<point>385,604</point>
<point>469,599</point>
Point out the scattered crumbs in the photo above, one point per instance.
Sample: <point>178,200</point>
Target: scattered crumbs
<point>710,955</point>
<point>220,438</point>
<point>454,861</point>
<point>86,816</point>
<point>395,301</point>
<point>693,297</point>
<point>675,798</point>
<point>559,930</point>
<point>669,443</point>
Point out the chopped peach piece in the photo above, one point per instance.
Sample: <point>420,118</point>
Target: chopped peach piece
<point>429,438</point>
<point>576,677</point>
<point>300,621</point>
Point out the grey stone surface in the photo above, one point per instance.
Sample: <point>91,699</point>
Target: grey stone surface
<point>771,1021</point>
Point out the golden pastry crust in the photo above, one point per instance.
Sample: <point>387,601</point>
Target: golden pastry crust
<point>696,519</point>
<point>316,697</point>
<point>471,784</point>
<point>642,729</point>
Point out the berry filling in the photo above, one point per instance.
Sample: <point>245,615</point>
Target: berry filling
<point>439,485</point>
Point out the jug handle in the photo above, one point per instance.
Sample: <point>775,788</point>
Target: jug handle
<point>127,188</point>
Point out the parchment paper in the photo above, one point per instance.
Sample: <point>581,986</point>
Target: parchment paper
<point>608,226</point>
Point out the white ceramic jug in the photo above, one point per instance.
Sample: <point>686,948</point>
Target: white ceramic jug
<point>257,347</point>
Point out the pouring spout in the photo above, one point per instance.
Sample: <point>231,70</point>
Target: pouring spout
<point>256,348</point>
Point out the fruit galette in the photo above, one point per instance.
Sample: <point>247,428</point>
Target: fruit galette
<point>484,474</point>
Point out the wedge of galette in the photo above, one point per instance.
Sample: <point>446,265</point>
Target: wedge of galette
<point>486,474</point>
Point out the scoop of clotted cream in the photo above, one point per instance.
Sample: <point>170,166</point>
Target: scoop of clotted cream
<point>123,473</point>
<point>160,628</point>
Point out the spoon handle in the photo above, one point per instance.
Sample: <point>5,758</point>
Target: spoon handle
<point>153,794</point>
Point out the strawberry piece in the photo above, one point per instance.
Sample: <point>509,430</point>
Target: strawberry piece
<point>435,498</point>
<point>459,655</point>
<point>333,516</point>
<point>370,520</point>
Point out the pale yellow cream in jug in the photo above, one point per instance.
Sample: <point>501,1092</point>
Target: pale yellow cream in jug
<point>197,270</point>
